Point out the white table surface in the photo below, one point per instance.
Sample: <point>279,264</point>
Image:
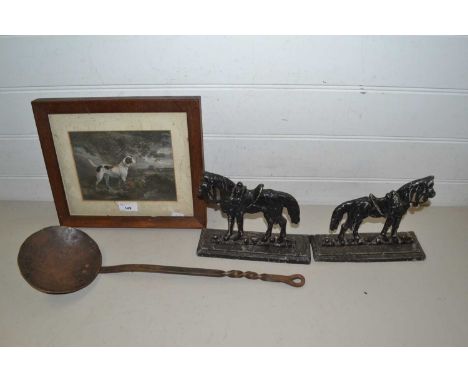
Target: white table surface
<point>400,303</point>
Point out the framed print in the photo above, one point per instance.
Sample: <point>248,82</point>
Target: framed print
<point>123,162</point>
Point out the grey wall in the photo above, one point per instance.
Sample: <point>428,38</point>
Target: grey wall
<point>324,118</point>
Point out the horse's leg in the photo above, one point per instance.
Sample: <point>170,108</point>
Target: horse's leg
<point>240,227</point>
<point>282,222</point>
<point>395,225</point>
<point>344,227</point>
<point>230,228</point>
<point>356,225</point>
<point>269,229</point>
<point>385,228</point>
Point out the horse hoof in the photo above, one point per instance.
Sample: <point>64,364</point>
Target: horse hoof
<point>383,238</point>
<point>226,237</point>
<point>236,237</point>
<point>396,240</point>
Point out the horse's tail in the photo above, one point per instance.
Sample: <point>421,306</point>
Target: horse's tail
<point>292,206</point>
<point>338,215</point>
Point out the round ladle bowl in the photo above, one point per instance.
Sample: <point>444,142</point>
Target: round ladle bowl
<point>61,260</point>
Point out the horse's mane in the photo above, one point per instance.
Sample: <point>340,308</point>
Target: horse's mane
<point>219,181</point>
<point>415,192</point>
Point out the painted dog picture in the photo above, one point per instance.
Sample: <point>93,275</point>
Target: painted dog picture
<point>124,165</point>
<point>119,171</point>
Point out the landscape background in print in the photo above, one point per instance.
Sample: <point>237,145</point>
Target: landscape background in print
<point>151,177</point>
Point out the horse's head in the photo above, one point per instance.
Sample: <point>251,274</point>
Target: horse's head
<point>418,191</point>
<point>213,184</point>
<point>206,190</point>
<point>430,192</point>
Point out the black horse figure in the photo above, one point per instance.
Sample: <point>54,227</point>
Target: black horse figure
<point>235,200</point>
<point>393,206</point>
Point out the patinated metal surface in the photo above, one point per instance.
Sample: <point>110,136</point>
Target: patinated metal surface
<point>296,280</point>
<point>236,200</point>
<point>293,249</point>
<point>369,248</point>
<point>393,206</point>
<point>59,260</point>
<point>63,260</point>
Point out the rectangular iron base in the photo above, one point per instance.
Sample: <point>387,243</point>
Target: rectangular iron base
<point>295,249</point>
<point>371,248</point>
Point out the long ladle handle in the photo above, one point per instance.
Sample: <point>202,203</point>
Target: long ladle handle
<point>296,280</point>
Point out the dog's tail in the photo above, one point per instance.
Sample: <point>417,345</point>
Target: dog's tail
<point>338,215</point>
<point>92,163</point>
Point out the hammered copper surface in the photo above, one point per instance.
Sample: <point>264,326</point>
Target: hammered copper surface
<point>59,260</point>
<point>63,260</point>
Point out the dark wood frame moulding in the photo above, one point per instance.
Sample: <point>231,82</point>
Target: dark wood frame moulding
<point>189,105</point>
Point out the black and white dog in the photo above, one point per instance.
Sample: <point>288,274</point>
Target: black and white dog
<point>119,171</point>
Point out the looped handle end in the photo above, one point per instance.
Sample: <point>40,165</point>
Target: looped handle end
<point>297,280</point>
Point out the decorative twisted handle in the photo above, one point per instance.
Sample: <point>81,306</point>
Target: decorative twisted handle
<point>296,280</point>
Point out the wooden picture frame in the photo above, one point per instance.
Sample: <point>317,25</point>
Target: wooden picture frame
<point>156,130</point>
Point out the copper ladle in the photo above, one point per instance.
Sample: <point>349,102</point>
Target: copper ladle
<point>63,260</point>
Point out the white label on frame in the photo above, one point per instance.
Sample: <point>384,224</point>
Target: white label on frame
<point>175,213</point>
<point>128,206</point>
